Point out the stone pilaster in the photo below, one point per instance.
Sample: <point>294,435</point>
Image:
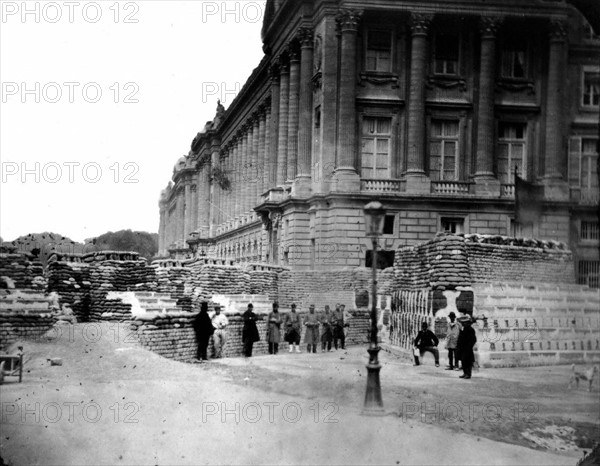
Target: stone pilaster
<point>416,180</point>
<point>485,181</point>
<point>235,180</point>
<point>293,117</point>
<point>180,216</point>
<point>245,168</point>
<point>161,226</point>
<point>215,191</point>
<point>282,137</point>
<point>346,177</point>
<point>555,161</point>
<point>303,184</point>
<point>195,202</point>
<point>263,149</point>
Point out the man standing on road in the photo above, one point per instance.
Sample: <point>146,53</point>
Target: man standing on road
<point>327,336</point>
<point>451,340</point>
<point>311,321</point>
<point>293,329</point>
<point>219,322</point>
<point>427,341</point>
<point>337,322</point>
<point>273,329</point>
<point>203,329</point>
<point>464,346</point>
<point>250,331</point>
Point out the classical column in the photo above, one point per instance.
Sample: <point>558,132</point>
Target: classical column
<point>271,162</point>
<point>187,210</point>
<point>246,168</point>
<point>203,187</point>
<point>305,112</point>
<point>214,190</point>
<point>416,181</point>
<point>486,183</point>
<point>233,198</point>
<point>282,136</point>
<point>180,216</point>
<point>346,177</point>
<point>195,202</point>
<point>263,170</point>
<point>161,224</point>
<point>292,153</point>
<point>256,171</point>
<point>554,166</point>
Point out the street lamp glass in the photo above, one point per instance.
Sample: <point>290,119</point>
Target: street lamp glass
<point>374,218</point>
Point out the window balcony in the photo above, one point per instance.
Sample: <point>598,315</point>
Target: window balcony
<point>585,196</point>
<point>382,186</point>
<point>450,187</point>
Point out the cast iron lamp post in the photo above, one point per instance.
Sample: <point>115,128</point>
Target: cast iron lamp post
<point>374,218</point>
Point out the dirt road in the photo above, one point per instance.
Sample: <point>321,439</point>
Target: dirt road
<point>114,403</point>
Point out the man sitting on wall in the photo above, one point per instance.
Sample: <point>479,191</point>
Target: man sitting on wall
<point>427,341</point>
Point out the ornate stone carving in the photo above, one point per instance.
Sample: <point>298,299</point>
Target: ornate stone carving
<point>348,19</point>
<point>558,30</point>
<point>420,22</point>
<point>274,71</point>
<point>305,36</point>
<point>318,55</point>
<point>488,26</point>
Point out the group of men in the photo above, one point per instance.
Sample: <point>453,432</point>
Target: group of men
<point>460,340</point>
<point>334,325</point>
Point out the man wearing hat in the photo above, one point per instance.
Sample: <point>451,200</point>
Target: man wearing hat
<point>250,331</point>
<point>219,322</point>
<point>427,341</point>
<point>203,329</point>
<point>451,340</point>
<point>293,329</point>
<point>464,345</point>
<point>311,321</point>
<point>273,329</point>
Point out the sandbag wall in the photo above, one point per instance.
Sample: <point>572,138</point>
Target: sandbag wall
<point>22,270</point>
<point>173,336</point>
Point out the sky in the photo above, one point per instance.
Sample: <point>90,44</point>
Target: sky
<point>100,99</point>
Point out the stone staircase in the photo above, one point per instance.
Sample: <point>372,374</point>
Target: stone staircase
<point>238,303</point>
<point>145,302</point>
<point>537,324</point>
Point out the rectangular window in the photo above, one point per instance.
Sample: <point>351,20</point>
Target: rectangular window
<point>385,259</point>
<point>452,224</point>
<point>583,157</point>
<point>513,62</point>
<point>379,51</point>
<point>511,153</point>
<point>388,225</point>
<point>591,89</point>
<point>443,150</point>
<point>588,273</point>
<point>376,148</point>
<point>446,54</point>
<point>589,231</point>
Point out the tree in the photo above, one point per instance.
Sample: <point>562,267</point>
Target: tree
<point>146,244</point>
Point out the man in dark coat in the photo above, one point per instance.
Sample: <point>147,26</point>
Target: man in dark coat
<point>464,346</point>
<point>338,324</point>
<point>311,321</point>
<point>204,329</point>
<point>250,331</point>
<point>293,329</point>
<point>327,334</point>
<point>427,341</point>
<point>273,329</point>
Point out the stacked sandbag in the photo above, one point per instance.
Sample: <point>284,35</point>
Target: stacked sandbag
<point>263,282</point>
<point>71,281</point>
<point>24,314</point>
<point>448,263</point>
<point>19,270</point>
<point>208,279</point>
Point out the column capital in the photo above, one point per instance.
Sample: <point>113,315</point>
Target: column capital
<point>274,71</point>
<point>283,62</point>
<point>256,116</point>
<point>305,36</point>
<point>488,26</point>
<point>558,30</point>
<point>348,19</point>
<point>293,51</point>
<point>420,22</point>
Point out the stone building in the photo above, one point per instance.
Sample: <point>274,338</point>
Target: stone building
<point>425,106</point>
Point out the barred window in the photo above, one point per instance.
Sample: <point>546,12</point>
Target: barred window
<point>589,230</point>
<point>588,273</point>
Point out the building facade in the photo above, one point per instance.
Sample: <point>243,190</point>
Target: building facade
<point>426,106</point>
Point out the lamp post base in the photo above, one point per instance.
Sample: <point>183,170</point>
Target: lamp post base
<point>373,402</point>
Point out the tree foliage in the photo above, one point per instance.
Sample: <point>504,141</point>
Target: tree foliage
<point>146,244</point>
